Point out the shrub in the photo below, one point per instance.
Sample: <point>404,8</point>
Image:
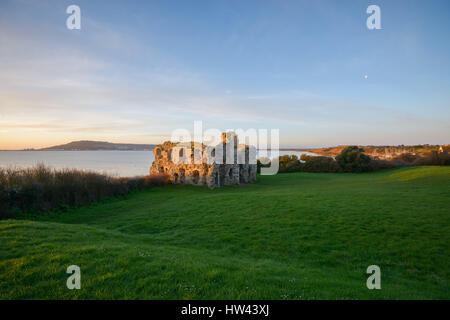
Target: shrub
<point>294,166</point>
<point>321,164</point>
<point>288,163</point>
<point>305,157</point>
<point>434,159</point>
<point>41,189</point>
<point>406,157</point>
<point>385,164</point>
<point>352,159</point>
<point>157,180</point>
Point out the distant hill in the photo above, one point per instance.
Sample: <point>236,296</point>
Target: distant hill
<point>100,145</point>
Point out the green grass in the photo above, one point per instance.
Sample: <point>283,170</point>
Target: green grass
<point>290,236</point>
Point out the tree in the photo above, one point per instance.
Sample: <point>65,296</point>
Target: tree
<point>353,159</point>
<point>288,163</point>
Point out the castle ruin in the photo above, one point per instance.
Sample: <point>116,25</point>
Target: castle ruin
<point>227,163</point>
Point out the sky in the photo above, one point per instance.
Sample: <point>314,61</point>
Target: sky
<point>138,70</point>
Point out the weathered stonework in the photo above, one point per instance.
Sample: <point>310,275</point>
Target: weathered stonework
<point>228,163</point>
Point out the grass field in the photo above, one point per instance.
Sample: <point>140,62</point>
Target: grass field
<point>289,236</point>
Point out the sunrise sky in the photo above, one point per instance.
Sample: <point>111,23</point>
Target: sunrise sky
<point>137,70</point>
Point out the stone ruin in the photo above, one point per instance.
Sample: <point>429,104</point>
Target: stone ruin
<point>228,163</point>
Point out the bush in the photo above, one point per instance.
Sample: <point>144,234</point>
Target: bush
<point>385,164</point>
<point>42,189</point>
<point>305,157</point>
<point>294,166</point>
<point>157,180</point>
<point>352,159</point>
<point>312,164</point>
<point>288,163</point>
<point>434,159</point>
<point>321,164</point>
<point>406,157</point>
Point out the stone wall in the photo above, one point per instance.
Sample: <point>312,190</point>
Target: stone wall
<point>194,163</point>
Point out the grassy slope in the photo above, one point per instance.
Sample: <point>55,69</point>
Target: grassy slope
<point>291,236</point>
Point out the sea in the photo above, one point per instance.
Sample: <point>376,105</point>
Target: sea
<point>115,163</point>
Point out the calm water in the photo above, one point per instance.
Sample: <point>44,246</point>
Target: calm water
<point>118,163</point>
